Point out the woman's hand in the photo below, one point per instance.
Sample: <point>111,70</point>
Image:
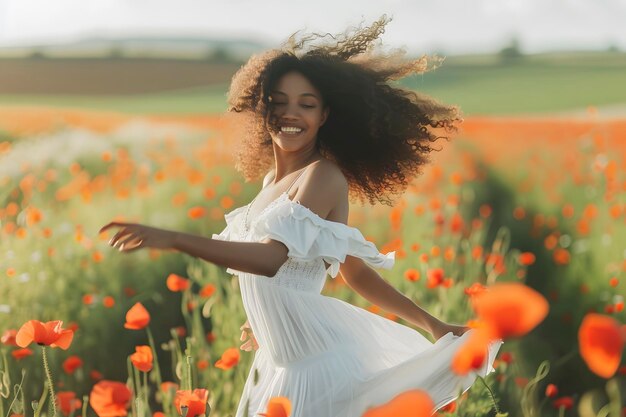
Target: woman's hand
<point>441,328</point>
<point>133,236</point>
<point>251,343</point>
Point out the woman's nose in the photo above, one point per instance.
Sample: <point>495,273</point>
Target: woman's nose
<point>291,111</point>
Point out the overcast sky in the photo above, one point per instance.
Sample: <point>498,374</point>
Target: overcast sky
<point>422,26</point>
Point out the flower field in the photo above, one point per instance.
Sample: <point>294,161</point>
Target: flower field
<point>516,228</point>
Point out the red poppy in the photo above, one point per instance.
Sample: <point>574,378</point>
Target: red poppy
<point>142,358</point>
<point>450,408</point>
<point>168,386</point>
<point>506,357</point>
<point>71,364</point>
<point>46,334</point>
<point>137,317</point>
<point>229,358</point>
<point>108,301</point>
<point>510,309</point>
<point>68,402</point>
<point>177,283</point>
<point>472,354</point>
<point>475,288</point>
<point>600,343</point>
<point>21,353</point>
<point>526,258</point>
<point>196,212</point>
<point>110,398</point>
<point>435,277</point>
<point>551,390</point>
<point>414,403</point>
<point>565,402</point>
<point>207,290</point>
<point>95,375</point>
<point>277,407</point>
<point>8,337</point>
<point>412,274</point>
<point>195,401</point>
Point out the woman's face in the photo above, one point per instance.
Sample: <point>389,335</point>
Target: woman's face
<point>296,111</point>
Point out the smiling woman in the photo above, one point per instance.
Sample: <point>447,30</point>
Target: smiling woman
<point>378,135</point>
<point>327,121</point>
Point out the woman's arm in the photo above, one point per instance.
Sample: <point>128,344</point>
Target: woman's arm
<point>262,258</point>
<point>371,286</point>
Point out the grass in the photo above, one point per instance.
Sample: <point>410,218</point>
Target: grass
<point>479,84</point>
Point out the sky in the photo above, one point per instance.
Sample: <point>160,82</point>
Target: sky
<point>419,26</point>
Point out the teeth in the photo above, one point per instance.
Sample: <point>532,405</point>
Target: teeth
<point>288,129</point>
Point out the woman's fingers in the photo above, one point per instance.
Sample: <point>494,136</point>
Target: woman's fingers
<point>112,224</point>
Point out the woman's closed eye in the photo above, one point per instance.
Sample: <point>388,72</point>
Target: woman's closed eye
<point>307,106</point>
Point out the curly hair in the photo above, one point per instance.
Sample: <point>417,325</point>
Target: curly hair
<point>377,134</point>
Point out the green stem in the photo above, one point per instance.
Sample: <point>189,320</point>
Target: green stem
<point>493,397</point>
<point>157,368</point>
<point>131,380</point>
<point>189,383</point>
<point>146,392</point>
<point>41,401</point>
<point>85,402</point>
<point>19,390</point>
<point>53,398</point>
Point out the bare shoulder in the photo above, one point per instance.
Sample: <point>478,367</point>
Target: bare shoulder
<point>268,177</point>
<point>324,190</point>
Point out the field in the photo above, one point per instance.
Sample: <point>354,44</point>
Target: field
<point>478,84</point>
<point>530,192</point>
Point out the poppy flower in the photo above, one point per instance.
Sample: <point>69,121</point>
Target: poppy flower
<point>137,317</point>
<point>202,364</point>
<point>475,288</point>
<point>168,386</point>
<point>277,407</point>
<point>142,358</point>
<point>412,274</point>
<point>510,309</point>
<point>8,337</point>
<point>68,402</point>
<point>414,403</point>
<point>526,258</point>
<point>450,408</point>
<point>195,400</point>
<point>110,398</point>
<point>71,364</point>
<point>472,354</point>
<point>95,375</point>
<point>176,283</point>
<point>434,277</point>
<point>46,334</point>
<point>207,290</point>
<point>600,344</point>
<point>229,358</point>
<point>565,402</point>
<point>196,212</point>
<point>19,354</point>
<point>551,390</point>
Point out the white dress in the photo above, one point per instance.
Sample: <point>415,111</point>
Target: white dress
<point>329,357</point>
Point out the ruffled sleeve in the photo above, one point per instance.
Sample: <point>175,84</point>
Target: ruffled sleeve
<point>231,232</point>
<point>308,237</point>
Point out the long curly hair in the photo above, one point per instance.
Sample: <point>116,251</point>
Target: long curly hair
<point>378,134</point>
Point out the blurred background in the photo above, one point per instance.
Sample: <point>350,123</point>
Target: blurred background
<point>113,110</point>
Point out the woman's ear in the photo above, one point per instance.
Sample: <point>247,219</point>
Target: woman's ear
<point>324,115</point>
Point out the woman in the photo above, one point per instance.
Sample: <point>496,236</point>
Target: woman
<point>327,123</point>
